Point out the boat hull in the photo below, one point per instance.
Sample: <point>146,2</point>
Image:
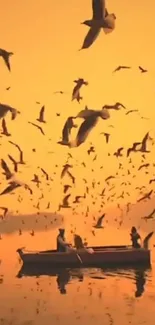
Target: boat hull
<point>106,256</point>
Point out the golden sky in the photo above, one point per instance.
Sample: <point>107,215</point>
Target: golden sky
<point>45,37</point>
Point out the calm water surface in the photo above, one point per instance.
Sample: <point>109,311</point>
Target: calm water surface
<point>73,296</point>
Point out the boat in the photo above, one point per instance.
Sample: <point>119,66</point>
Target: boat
<point>89,257</point>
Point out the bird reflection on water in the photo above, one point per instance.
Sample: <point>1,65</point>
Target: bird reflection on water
<point>65,276</point>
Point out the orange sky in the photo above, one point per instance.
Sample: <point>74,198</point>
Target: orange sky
<point>45,37</point>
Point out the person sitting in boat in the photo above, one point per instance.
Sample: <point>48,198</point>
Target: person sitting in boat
<point>62,245</point>
<point>79,245</point>
<point>135,237</point>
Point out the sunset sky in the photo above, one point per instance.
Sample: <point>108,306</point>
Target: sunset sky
<point>45,37</point>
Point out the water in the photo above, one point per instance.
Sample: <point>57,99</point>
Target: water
<point>72,296</point>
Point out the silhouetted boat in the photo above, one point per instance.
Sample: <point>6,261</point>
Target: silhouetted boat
<point>102,255</point>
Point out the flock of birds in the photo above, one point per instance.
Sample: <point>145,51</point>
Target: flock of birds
<point>101,20</point>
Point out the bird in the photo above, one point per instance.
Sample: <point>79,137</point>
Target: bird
<point>6,56</point>
<point>85,113</point>
<point>107,135</point>
<point>91,149</point>
<point>146,196</point>
<point>6,169</point>
<point>99,222</point>
<point>45,173</point>
<point>66,188</point>
<point>84,131</point>
<point>5,130</point>
<point>36,179</point>
<point>133,148</point>
<point>143,146</point>
<point>101,20</point>
<point>14,162</point>
<point>13,185</point>
<point>121,67</point>
<point>4,109</point>
<point>59,92</point>
<point>118,152</point>
<point>142,69</point>
<point>69,124</point>
<point>65,203</point>
<point>131,111</point>
<point>116,106</point>
<point>149,216</point>
<point>41,115</point>
<point>37,126</point>
<point>144,165</point>
<point>65,169</point>
<point>21,160</point>
<point>76,90</point>
<point>71,176</point>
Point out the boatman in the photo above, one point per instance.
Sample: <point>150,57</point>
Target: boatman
<point>62,245</point>
<point>135,237</point>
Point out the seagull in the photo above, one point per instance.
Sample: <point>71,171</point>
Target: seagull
<point>79,83</point>
<point>5,108</point>
<point>65,203</point>
<point>71,176</point>
<point>146,196</point>
<point>101,19</point>
<point>133,148</point>
<point>41,115</point>
<point>116,106</point>
<point>142,69</point>
<point>21,161</point>
<point>107,135</point>
<point>6,55</point>
<point>37,126</point>
<point>13,185</point>
<point>120,67</point>
<point>118,152</point>
<point>5,130</point>
<point>5,211</point>
<point>150,216</point>
<point>143,147</point>
<point>89,123</point>
<point>65,170</point>
<point>6,169</point>
<point>45,173</point>
<point>131,111</point>
<point>66,188</point>
<point>67,130</point>
<point>99,222</point>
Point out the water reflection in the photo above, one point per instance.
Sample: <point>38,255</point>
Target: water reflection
<point>66,276</point>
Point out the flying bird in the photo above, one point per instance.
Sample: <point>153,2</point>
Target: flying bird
<point>101,20</point>
<point>66,188</point>
<point>116,106</point>
<point>69,124</point>
<point>84,131</point>
<point>5,211</point>
<point>118,152</point>
<point>21,160</point>
<point>149,216</point>
<point>65,169</point>
<point>121,67</point>
<point>133,148</point>
<point>41,115</point>
<point>65,203</point>
<point>146,196</point>
<point>45,173</point>
<point>71,176</point>
<point>131,111</point>
<point>107,135</point>
<point>144,165</point>
<point>6,56</point>
<point>76,90</point>
<point>99,222</point>
<point>5,130</point>
<point>144,143</point>
<point>142,69</point>
<point>37,126</point>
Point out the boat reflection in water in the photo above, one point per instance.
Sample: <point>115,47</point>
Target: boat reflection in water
<point>67,275</point>
<point>63,275</point>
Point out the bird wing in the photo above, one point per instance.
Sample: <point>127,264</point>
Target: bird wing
<point>41,115</point>
<point>65,132</point>
<point>14,162</point>
<point>75,91</point>
<point>3,110</point>
<point>6,60</point>
<point>10,188</point>
<point>98,7</point>
<point>91,37</point>
<point>65,200</point>
<point>5,167</point>
<point>13,113</point>
<point>85,129</point>
<point>4,126</point>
